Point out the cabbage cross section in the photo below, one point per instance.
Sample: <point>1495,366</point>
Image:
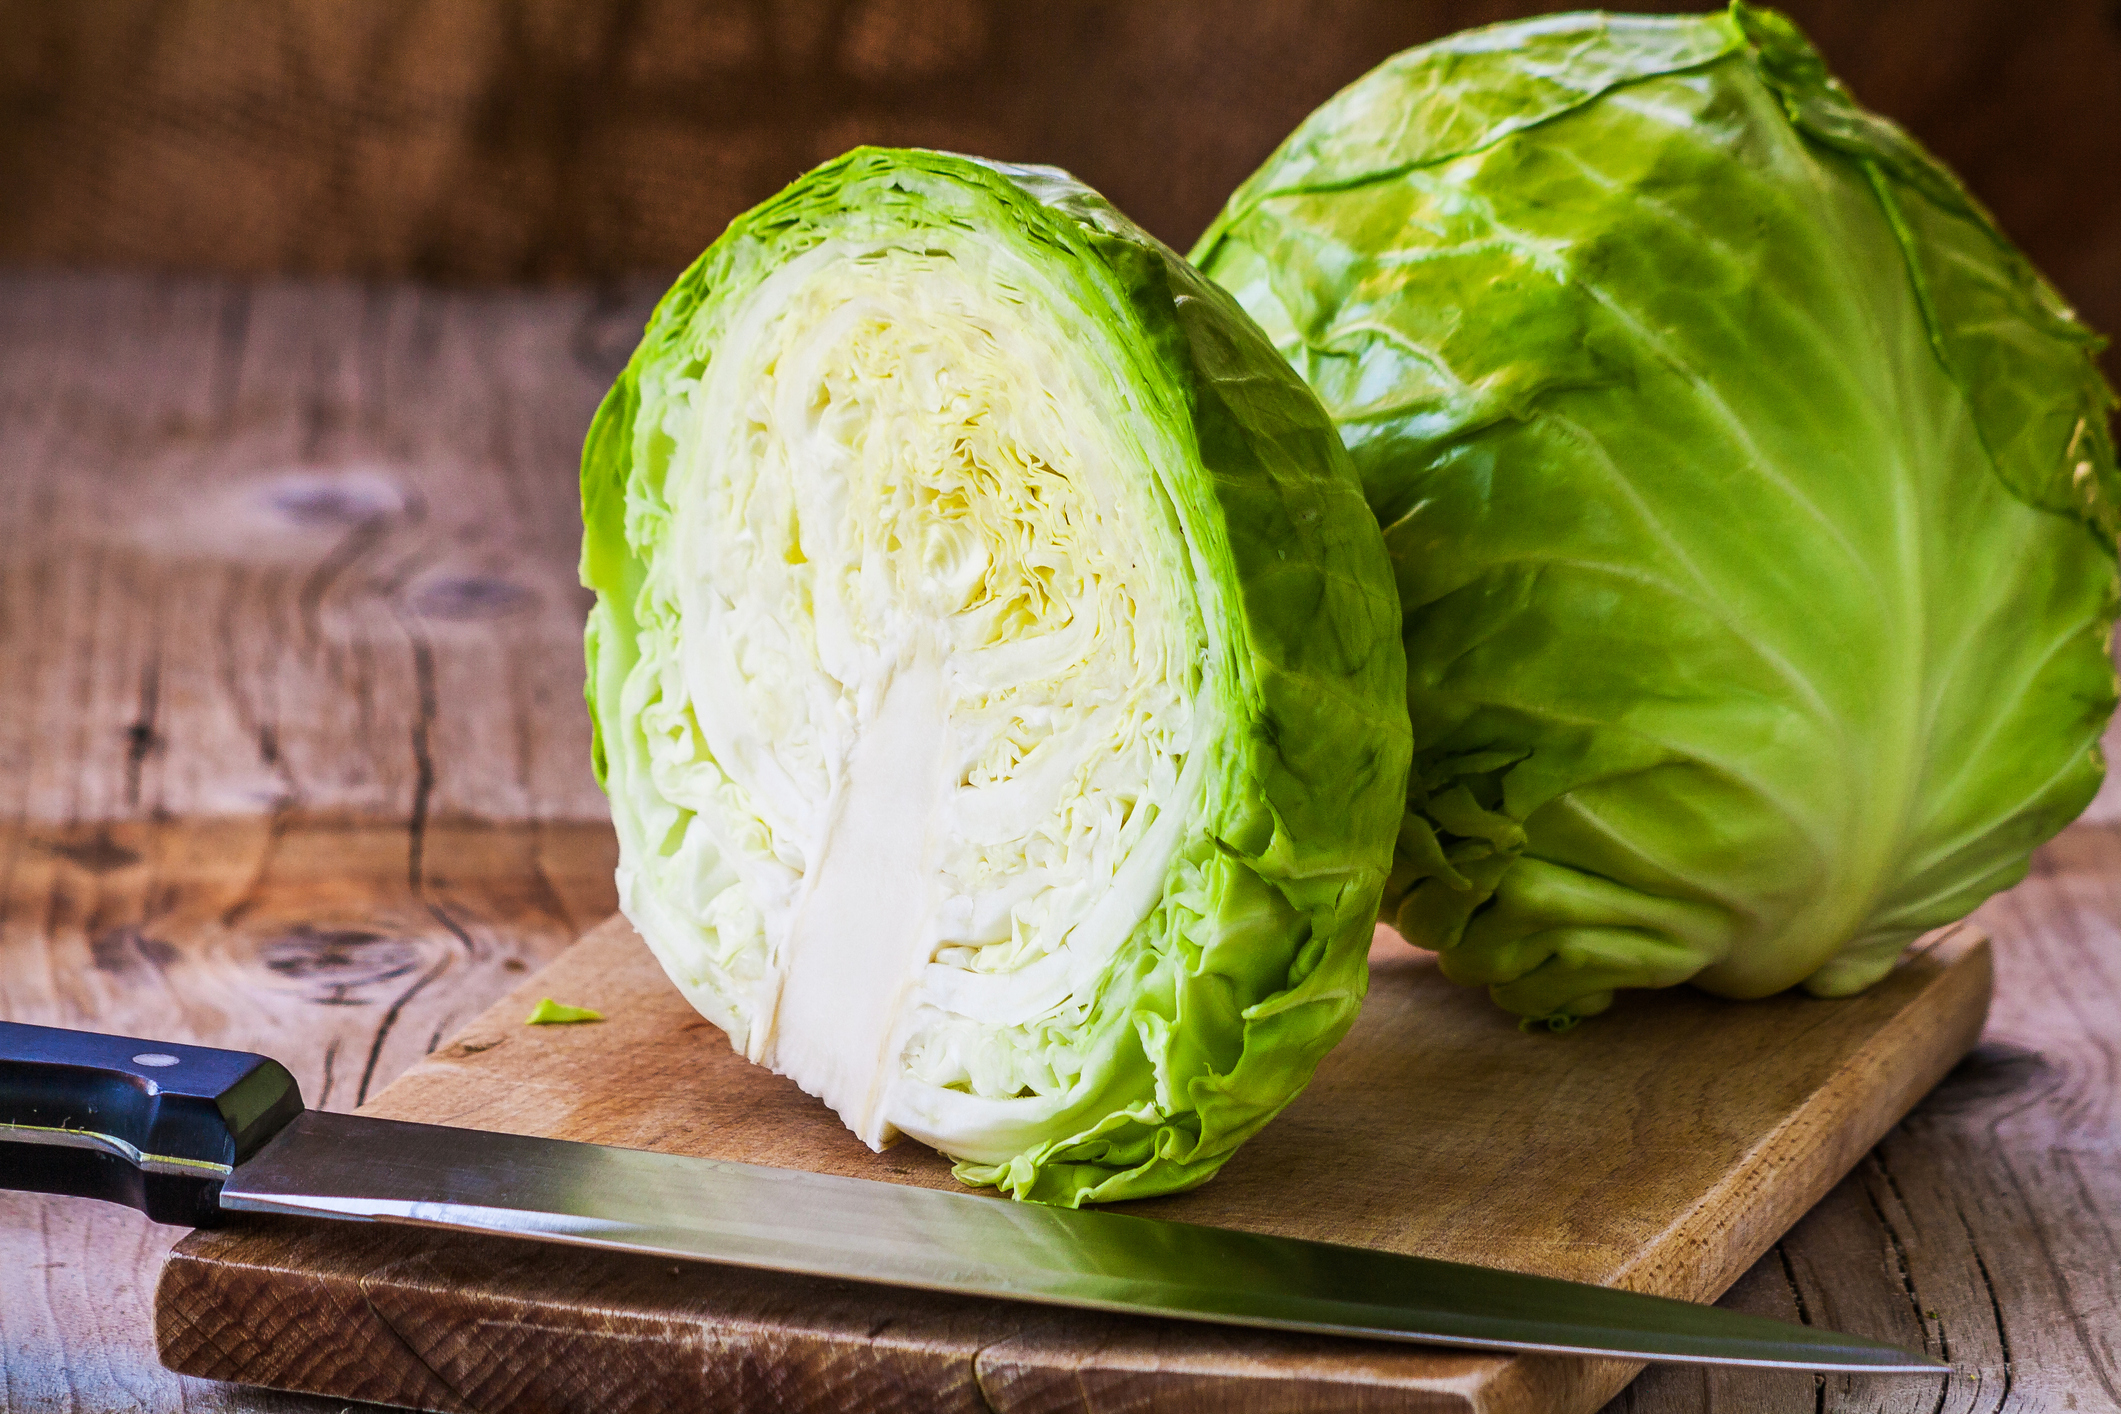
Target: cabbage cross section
<point>974,584</point>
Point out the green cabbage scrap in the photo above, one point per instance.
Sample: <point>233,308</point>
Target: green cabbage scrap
<point>1751,498</point>
<point>551,1013</point>
<point>996,676</point>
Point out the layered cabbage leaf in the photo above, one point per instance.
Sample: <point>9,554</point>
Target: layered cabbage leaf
<point>996,676</point>
<point>1751,499</point>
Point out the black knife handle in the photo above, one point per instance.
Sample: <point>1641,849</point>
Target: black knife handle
<point>149,1124</point>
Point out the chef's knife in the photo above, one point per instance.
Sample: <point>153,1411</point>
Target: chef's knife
<point>189,1135</point>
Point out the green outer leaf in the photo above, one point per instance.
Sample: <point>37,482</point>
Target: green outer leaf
<point>2001,331</point>
<point>1217,1010</point>
<point>1751,499</point>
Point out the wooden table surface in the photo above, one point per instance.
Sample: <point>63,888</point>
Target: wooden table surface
<point>293,758</point>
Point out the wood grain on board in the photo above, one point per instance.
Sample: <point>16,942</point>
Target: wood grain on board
<point>1986,1227</point>
<point>1663,1151</point>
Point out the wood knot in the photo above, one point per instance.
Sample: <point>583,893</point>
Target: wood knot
<point>98,854</point>
<point>122,950</point>
<point>338,966</point>
<point>1991,1072</point>
<point>471,597</point>
<point>325,500</point>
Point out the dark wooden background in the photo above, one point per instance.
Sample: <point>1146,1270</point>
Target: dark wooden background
<point>539,140</point>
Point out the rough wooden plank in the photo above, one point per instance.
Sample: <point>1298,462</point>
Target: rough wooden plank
<point>313,941</point>
<point>294,548</point>
<point>316,941</point>
<point>1662,1150</point>
<point>76,1306</point>
<point>1987,1227</point>
<point>294,563</point>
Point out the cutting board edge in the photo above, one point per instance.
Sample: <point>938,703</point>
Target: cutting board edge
<point>1965,960</point>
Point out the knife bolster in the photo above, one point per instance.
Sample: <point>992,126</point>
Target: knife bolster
<point>152,1125</point>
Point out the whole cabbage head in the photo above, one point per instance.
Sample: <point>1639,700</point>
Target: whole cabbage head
<point>996,676</point>
<point>1751,498</point>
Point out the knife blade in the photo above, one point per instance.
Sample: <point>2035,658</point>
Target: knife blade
<point>189,1134</point>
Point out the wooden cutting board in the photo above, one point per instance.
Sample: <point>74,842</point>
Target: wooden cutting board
<point>1662,1147</point>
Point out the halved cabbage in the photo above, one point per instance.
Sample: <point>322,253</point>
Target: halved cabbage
<point>996,675</point>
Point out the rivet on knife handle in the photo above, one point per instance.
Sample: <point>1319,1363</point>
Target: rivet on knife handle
<point>152,1125</point>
